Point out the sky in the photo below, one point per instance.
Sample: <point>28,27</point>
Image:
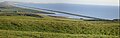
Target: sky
<point>93,2</point>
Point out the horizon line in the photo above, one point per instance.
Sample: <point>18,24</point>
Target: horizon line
<point>69,3</point>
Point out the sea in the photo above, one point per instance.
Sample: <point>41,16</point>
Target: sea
<point>99,11</point>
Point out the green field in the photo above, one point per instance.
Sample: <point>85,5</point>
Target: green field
<point>17,25</point>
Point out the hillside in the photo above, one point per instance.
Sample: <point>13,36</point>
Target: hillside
<point>25,23</point>
<point>35,26</point>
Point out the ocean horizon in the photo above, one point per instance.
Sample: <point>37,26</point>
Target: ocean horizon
<point>99,11</point>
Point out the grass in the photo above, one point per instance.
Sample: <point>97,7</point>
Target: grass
<point>28,34</point>
<point>34,24</point>
<point>21,24</point>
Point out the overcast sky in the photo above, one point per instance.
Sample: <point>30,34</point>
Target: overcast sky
<point>94,2</point>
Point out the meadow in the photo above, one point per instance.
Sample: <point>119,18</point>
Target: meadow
<point>17,25</point>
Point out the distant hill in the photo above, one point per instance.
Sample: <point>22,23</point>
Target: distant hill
<point>6,4</point>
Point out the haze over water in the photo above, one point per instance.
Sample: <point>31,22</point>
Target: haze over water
<point>100,11</point>
<point>107,9</point>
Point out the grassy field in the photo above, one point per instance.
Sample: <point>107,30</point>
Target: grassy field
<point>28,34</point>
<point>51,25</point>
<point>17,24</point>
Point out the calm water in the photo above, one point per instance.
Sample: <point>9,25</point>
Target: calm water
<point>106,12</point>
